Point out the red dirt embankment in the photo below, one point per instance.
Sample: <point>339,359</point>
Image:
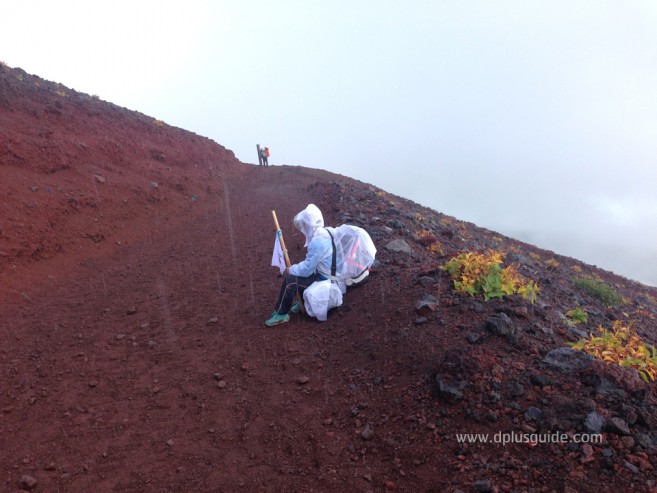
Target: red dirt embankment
<point>80,174</point>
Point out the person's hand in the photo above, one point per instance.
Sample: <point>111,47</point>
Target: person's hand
<point>286,272</point>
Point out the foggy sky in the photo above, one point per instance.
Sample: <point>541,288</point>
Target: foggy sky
<point>535,119</point>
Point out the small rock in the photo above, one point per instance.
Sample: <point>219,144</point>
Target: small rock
<point>476,337</point>
<point>421,320</point>
<point>578,333</point>
<point>131,311</point>
<point>483,485</point>
<point>616,381</point>
<point>628,442</point>
<point>520,311</point>
<point>170,442</point>
<point>566,406</point>
<point>213,320</point>
<point>644,440</point>
<point>93,384</point>
<point>396,224</point>
<point>567,359</point>
<point>427,305</point>
<point>477,307</point>
<point>538,380</point>
<point>27,482</point>
<point>533,414</point>
<point>643,464</point>
<point>367,433</point>
<point>500,324</point>
<point>427,281</point>
<point>398,246</point>
<point>516,389</point>
<point>618,426</point>
<point>303,380</point>
<point>154,185</point>
<point>594,422</point>
<point>631,467</point>
<point>51,466</point>
<point>221,384</point>
<point>100,179</point>
<point>447,391</point>
<point>607,388</point>
<point>587,450</point>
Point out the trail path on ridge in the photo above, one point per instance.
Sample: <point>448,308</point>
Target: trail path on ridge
<point>152,370</point>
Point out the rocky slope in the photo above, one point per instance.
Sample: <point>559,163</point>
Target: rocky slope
<point>134,260</point>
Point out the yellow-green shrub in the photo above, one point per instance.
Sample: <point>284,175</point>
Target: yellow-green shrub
<point>623,346</point>
<point>482,273</point>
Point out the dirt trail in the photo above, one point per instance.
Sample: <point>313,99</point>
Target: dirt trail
<point>152,371</point>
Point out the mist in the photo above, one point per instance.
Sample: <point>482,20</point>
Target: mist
<point>534,119</point>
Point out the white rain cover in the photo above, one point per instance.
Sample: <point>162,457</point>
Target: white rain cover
<point>355,251</point>
<point>320,297</point>
<point>308,220</point>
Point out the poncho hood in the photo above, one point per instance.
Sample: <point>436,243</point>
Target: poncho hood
<point>308,221</point>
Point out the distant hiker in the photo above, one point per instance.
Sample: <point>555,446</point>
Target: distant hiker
<point>315,267</point>
<point>265,156</point>
<point>260,153</point>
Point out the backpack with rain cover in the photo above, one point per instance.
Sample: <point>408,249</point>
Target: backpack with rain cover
<point>353,254</point>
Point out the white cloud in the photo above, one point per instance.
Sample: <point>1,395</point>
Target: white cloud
<point>521,116</point>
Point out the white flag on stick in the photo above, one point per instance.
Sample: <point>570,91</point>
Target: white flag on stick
<point>278,258</point>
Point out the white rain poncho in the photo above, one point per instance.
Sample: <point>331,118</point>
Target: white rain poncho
<point>308,220</point>
<point>355,253</point>
<point>320,297</point>
<point>318,259</point>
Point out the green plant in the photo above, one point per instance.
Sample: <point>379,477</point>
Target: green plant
<point>599,290</point>
<point>577,315</point>
<point>482,273</point>
<point>621,345</point>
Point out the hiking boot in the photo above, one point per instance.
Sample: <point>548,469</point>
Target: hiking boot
<point>277,319</point>
<point>296,308</point>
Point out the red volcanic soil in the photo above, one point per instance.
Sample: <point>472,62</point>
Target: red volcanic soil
<point>135,279</point>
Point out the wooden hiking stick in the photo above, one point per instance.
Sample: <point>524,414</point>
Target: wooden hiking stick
<point>279,233</point>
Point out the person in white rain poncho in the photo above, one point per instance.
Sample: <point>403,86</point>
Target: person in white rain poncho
<point>315,267</point>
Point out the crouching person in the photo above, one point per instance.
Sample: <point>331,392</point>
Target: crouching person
<point>315,267</point>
